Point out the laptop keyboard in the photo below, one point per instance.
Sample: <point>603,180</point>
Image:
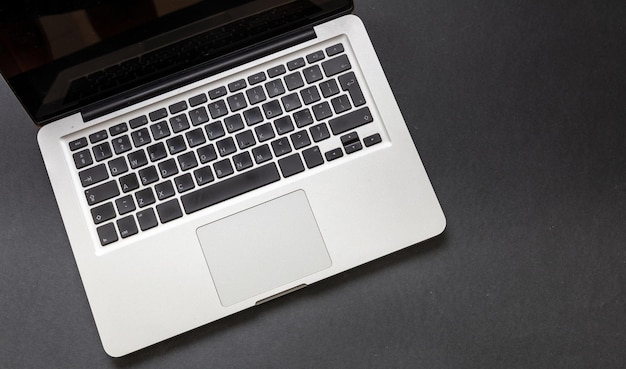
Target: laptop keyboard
<point>217,145</point>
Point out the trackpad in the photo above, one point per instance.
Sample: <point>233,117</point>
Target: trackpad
<point>264,247</point>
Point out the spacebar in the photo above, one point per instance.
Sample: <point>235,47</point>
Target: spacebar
<point>230,188</point>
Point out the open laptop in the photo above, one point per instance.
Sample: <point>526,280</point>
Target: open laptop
<point>210,156</point>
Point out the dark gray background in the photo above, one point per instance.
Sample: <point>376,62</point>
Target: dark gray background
<point>518,109</point>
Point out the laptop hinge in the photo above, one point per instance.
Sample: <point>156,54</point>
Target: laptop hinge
<point>221,64</point>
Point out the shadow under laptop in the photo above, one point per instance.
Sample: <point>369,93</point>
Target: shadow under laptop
<point>202,335</point>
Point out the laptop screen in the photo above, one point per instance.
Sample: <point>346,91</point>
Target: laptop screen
<point>60,56</point>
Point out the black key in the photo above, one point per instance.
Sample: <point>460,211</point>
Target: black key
<point>195,137</point>
<point>138,122</point>
<point>125,204</point>
<point>295,64</point>
<point>334,154</point>
<point>272,109</point>
<point>256,78</point>
<point>187,161</point>
<point>93,175</point>
<point>144,197</point>
<point>198,116</point>
<point>349,138</point>
<point>121,144</point>
<point>334,50</point>
<point>312,157</point>
<point>303,118</point>
<point>147,219</point>
<point>164,190</point>
<point>237,85</point>
<point>350,121</point>
<point>329,88</point>
<point>283,125</point>
<point>336,65</point>
<point>322,111</point>
<point>197,100</point>
<point>264,132</point>
<point>353,147</point>
<point>215,130</point>
<point>218,109</point>
<point>319,132</point>
<point>141,137</point>
<point>176,145</point>
<point>103,213</point>
<point>281,146</point>
<point>256,95</point>
<point>156,151</point>
<point>129,182</point>
<point>78,144</point>
<point>315,57</point>
<point>245,139</point>
<point>372,140</point>
<point>223,168</point>
<point>291,165</point>
<point>137,159</point>
<point>312,74</point>
<point>237,102</point>
<point>253,116</point>
<point>118,129</point>
<point>276,71</point>
<point>206,154</point>
<point>107,234</point>
<point>179,123</point>
<point>168,168</point>
<point>98,136</point>
<point>158,115</point>
<point>102,192</point>
<point>177,107</point>
<point>233,123</point>
<point>291,102</point>
<point>127,226</point>
<point>203,175</point>
<point>82,159</point>
<point>184,183</point>
<point>349,83</point>
<point>261,154</point>
<point>341,104</point>
<point>148,175</point>
<point>169,211</point>
<point>226,146</point>
<point>242,161</point>
<point>217,92</point>
<point>118,166</point>
<point>293,81</point>
<point>310,95</point>
<point>275,88</point>
<point>160,130</point>
<point>229,188</point>
<point>102,151</point>
<point>300,139</point>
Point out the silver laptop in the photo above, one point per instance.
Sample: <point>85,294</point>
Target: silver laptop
<point>210,156</point>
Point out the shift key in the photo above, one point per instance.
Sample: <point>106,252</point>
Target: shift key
<point>350,121</point>
<point>102,192</point>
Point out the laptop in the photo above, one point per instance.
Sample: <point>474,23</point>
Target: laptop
<point>207,157</point>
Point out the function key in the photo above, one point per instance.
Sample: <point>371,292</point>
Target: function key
<point>237,85</point>
<point>276,71</point>
<point>197,100</point>
<point>177,107</point>
<point>295,64</point>
<point>107,234</point>
<point>334,50</point>
<point>118,128</point>
<point>256,78</point>
<point>217,92</point>
<point>98,136</point>
<point>315,57</point>
<point>158,114</point>
<point>138,122</point>
<point>78,144</point>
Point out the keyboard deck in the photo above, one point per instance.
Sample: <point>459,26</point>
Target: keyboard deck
<point>219,144</point>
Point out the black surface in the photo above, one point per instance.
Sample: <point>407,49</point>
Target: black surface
<point>518,109</point>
